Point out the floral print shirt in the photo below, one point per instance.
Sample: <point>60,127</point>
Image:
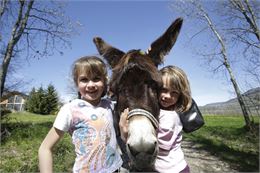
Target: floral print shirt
<point>93,135</point>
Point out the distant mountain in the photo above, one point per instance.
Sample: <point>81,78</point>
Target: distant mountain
<point>232,107</point>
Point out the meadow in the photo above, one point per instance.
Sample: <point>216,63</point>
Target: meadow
<point>226,138</point>
<point>223,136</point>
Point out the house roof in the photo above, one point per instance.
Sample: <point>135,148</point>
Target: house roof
<point>12,93</point>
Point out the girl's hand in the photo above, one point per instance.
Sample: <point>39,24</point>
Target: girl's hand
<point>123,125</point>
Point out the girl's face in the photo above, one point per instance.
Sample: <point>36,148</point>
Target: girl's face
<point>91,89</point>
<point>168,96</point>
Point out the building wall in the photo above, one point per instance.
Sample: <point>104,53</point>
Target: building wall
<point>14,102</point>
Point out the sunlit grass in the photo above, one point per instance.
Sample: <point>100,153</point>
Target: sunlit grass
<point>223,136</point>
<point>19,150</point>
<point>31,117</point>
<point>226,137</point>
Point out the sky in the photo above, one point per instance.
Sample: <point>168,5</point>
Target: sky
<point>126,25</point>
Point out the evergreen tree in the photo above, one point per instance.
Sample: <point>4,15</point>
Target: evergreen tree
<point>30,102</point>
<point>52,100</point>
<point>43,101</point>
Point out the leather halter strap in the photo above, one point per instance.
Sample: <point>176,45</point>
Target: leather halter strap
<point>144,113</point>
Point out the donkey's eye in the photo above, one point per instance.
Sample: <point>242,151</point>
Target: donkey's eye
<point>126,90</point>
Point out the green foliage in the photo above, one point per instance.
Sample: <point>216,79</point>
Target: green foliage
<point>4,111</point>
<point>43,101</point>
<point>31,101</point>
<point>4,120</point>
<point>51,100</point>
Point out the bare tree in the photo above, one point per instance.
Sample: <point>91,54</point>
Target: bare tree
<point>195,9</point>
<point>35,28</point>
<point>242,27</point>
<point>245,13</point>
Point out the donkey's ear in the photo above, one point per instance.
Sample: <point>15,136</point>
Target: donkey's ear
<point>162,46</point>
<point>111,54</point>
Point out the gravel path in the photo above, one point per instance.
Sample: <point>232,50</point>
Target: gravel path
<point>201,161</point>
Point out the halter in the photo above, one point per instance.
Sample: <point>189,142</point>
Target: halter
<point>146,114</point>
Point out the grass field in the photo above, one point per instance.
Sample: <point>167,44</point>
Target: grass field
<point>223,136</point>
<point>19,151</point>
<point>226,137</point>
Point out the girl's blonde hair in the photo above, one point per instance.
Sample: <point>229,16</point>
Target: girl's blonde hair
<point>92,67</point>
<point>177,79</point>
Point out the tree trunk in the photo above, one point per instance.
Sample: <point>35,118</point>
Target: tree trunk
<point>239,97</point>
<point>4,67</point>
<point>17,32</point>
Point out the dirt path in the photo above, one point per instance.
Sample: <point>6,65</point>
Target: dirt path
<point>201,161</point>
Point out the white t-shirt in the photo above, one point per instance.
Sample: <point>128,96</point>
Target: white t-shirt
<point>170,157</point>
<point>93,135</point>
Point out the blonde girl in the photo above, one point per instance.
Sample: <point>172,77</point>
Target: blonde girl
<point>175,96</point>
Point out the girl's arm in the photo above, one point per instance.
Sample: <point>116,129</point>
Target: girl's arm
<point>45,150</point>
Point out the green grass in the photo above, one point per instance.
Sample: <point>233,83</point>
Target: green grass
<point>19,150</point>
<point>226,137</point>
<point>223,136</point>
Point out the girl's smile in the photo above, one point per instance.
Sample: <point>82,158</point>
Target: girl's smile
<point>90,89</point>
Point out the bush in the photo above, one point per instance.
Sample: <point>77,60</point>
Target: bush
<point>5,112</point>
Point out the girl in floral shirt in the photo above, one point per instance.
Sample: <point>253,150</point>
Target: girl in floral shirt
<point>88,120</point>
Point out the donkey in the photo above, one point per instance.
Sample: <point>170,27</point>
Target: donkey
<point>135,83</point>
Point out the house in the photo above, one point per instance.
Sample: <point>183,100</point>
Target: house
<point>13,101</point>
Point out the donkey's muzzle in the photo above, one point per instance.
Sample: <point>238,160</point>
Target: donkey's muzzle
<point>143,160</point>
<point>142,146</point>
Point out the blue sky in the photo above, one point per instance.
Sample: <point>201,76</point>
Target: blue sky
<point>126,25</point>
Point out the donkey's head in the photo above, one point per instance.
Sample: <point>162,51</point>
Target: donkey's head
<point>135,82</point>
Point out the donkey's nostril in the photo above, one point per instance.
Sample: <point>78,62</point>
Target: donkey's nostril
<point>132,150</point>
<point>152,149</point>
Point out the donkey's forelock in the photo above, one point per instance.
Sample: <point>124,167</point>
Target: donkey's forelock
<point>137,66</point>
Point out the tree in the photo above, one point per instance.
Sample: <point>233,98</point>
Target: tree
<point>219,56</point>
<point>35,28</point>
<point>52,100</point>
<point>36,102</point>
<point>244,16</point>
<point>31,100</point>
<point>242,26</point>
<point>43,101</point>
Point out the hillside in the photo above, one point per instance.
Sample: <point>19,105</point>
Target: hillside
<point>251,98</point>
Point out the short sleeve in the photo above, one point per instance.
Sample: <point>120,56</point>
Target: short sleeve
<point>63,119</point>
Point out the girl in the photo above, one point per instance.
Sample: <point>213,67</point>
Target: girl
<point>175,96</point>
<point>89,122</point>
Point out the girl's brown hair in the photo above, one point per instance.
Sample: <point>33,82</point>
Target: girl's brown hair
<point>178,80</point>
<point>91,66</point>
